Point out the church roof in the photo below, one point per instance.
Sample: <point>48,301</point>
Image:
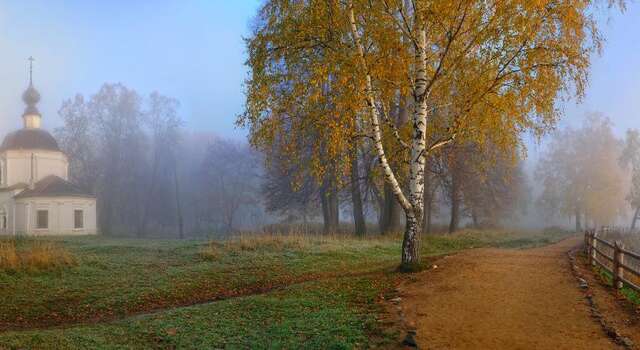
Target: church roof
<point>18,186</point>
<point>54,186</point>
<point>29,139</point>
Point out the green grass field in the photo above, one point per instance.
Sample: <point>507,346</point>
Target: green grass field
<point>272,292</point>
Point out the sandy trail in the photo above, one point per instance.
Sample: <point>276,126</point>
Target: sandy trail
<point>502,299</point>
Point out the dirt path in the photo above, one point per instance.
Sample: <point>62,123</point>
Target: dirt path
<point>502,299</point>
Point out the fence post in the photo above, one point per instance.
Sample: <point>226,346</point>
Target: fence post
<point>618,260</point>
<point>587,244</point>
<point>620,265</point>
<point>594,244</point>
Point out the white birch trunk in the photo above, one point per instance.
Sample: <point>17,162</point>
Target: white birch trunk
<point>413,205</point>
<point>410,244</point>
<point>389,176</point>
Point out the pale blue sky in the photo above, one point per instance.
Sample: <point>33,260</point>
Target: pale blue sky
<point>193,50</point>
<point>614,86</point>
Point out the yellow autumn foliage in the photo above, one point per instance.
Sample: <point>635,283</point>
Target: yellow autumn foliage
<point>495,70</point>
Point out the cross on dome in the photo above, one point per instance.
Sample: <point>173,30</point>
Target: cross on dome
<point>31,97</point>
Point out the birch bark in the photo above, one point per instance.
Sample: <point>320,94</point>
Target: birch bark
<point>375,118</point>
<point>413,204</point>
<point>411,242</point>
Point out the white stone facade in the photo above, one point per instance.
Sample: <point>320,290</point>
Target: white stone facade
<point>16,166</point>
<point>65,214</point>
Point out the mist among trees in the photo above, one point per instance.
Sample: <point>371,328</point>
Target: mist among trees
<point>153,177</point>
<point>334,147</point>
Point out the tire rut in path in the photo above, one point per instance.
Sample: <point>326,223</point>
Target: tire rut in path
<point>502,299</point>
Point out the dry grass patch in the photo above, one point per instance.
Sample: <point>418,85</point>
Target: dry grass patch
<point>319,243</point>
<point>269,242</point>
<point>9,259</point>
<point>32,255</point>
<point>287,242</point>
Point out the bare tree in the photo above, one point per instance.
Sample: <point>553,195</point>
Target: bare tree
<point>231,181</point>
<point>161,117</point>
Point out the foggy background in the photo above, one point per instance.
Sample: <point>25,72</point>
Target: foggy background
<point>193,51</point>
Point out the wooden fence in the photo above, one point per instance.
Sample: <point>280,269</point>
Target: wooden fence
<point>623,264</point>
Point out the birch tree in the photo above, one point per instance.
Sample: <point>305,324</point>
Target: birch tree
<point>231,182</point>
<point>498,67</point>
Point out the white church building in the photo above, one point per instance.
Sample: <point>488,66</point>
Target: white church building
<point>36,197</point>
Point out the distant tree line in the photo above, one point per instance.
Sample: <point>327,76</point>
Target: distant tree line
<point>154,178</point>
<point>591,175</point>
<point>151,177</point>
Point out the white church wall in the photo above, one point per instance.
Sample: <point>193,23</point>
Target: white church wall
<point>60,216</point>
<point>3,170</point>
<point>6,212</point>
<point>19,220</point>
<point>18,165</point>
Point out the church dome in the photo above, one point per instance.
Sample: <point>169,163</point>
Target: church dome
<point>31,96</point>
<point>30,139</point>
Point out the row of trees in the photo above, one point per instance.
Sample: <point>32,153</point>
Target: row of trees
<point>468,185</point>
<point>591,175</point>
<point>150,176</point>
<point>154,178</point>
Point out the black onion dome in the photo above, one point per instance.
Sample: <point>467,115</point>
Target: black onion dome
<point>30,139</point>
<point>31,97</point>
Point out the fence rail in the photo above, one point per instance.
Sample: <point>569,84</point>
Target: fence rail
<point>614,261</point>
